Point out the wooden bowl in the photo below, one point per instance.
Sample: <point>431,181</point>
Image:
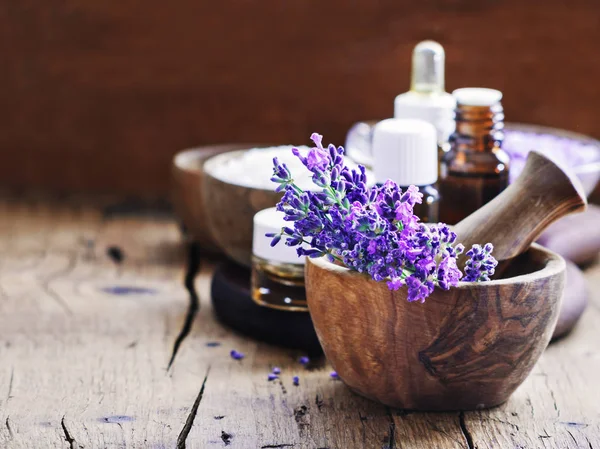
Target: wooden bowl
<point>230,210</point>
<point>464,349</point>
<point>187,197</point>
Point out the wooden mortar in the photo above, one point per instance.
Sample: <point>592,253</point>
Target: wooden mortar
<point>230,210</point>
<point>463,349</point>
<point>466,348</point>
<point>187,174</point>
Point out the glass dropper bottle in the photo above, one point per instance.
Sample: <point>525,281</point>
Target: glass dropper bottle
<point>427,99</point>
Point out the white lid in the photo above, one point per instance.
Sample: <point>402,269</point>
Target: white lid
<point>437,109</point>
<point>477,96</point>
<point>271,220</point>
<point>405,151</point>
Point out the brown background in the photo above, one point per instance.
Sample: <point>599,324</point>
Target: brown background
<point>98,95</point>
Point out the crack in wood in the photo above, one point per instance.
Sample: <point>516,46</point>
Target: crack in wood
<point>193,267</point>
<point>45,284</point>
<point>364,428</point>
<point>68,438</point>
<point>10,432</point>
<point>189,422</point>
<point>116,254</point>
<point>390,438</point>
<point>276,446</point>
<point>319,402</point>
<point>10,383</point>
<point>552,396</point>
<point>466,433</point>
<point>226,437</point>
<point>3,294</point>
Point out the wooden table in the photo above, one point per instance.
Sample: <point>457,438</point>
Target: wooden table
<point>100,348</point>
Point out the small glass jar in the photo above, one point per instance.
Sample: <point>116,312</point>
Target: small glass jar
<point>277,272</point>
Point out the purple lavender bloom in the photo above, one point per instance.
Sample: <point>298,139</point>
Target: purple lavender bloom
<point>334,375</point>
<point>236,355</point>
<point>304,360</point>
<point>481,264</point>
<point>371,230</point>
<point>271,377</point>
<point>296,380</point>
<point>276,370</point>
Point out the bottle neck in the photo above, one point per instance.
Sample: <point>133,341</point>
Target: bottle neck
<point>478,128</point>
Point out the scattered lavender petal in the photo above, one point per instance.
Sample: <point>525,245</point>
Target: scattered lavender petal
<point>304,360</point>
<point>276,370</point>
<point>272,377</point>
<point>296,380</point>
<point>236,355</point>
<point>334,375</point>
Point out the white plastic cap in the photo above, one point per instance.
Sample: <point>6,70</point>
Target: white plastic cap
<point>271,220</point>
<point>477,96</point>
<point>405,151</point>
<point>437,109</point>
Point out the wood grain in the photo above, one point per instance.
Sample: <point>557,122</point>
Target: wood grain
<point>230,210</point>
<point>463,349</point>
<point>100,95</point>
<point>85,343</point>
<point>188,201</point>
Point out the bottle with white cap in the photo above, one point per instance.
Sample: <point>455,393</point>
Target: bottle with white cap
<point>427,99</point>
<point>277,271</point>
<point>475,170</point>
<point>405,151</point>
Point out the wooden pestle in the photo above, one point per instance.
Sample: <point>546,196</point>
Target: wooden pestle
<point>542,194</point>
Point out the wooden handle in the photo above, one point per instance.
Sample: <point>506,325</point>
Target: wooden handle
<point>542,194</point>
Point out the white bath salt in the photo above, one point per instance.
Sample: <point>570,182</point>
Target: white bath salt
<point>254,168</point>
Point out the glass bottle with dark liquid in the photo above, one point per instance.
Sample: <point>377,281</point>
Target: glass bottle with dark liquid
<point>475,170</point>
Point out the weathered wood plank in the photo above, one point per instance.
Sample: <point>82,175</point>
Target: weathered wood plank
<point>85,342</point>
<point>557,406</point>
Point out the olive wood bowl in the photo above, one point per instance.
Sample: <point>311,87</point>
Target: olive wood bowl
<point>186,190</point>
<point>463,349</point>
<point>230,210</point>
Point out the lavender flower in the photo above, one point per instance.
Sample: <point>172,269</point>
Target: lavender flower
<point>296,380</point>
<point>276,370</point>
<point>481,264</point>
<point>236,355</point>
<point>272,377</point>
<point>304,360</point>
<point>334,375</point>
<point>371,230</point>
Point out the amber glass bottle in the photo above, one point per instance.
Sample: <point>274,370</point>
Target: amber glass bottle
<point>475,169</point>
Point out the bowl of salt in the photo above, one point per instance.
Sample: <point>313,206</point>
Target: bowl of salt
<point>237,185</point>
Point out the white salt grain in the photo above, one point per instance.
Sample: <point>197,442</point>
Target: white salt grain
<point>254,168</point>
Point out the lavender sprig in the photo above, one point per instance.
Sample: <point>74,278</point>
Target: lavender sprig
<point>371,230</point>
